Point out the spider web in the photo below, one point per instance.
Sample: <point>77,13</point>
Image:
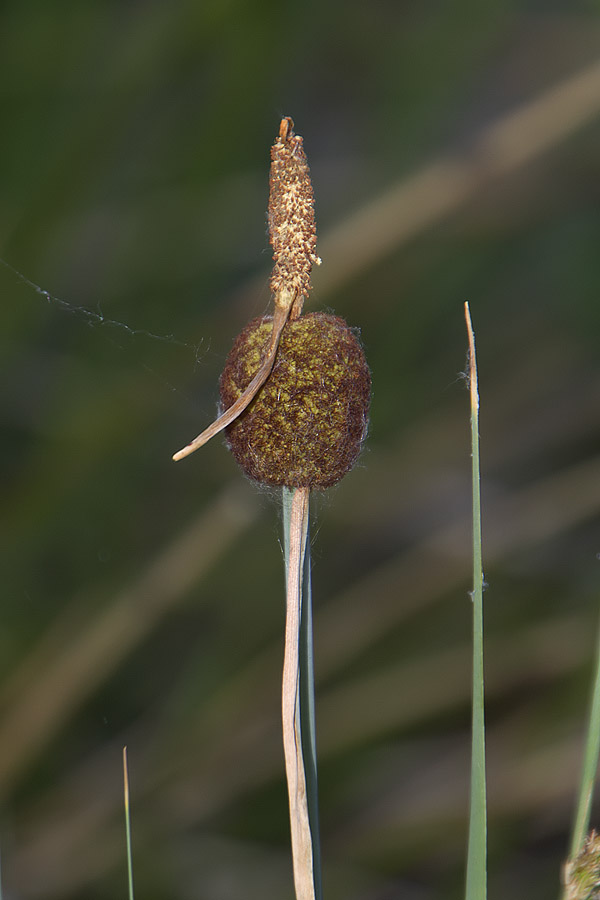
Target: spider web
<point>97,318</point>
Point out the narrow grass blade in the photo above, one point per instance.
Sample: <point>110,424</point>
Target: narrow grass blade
<point>590,765</point>
<point>127,824</point>
<point>307,717</point>
<point>295,514</point>
<point>476,887</point>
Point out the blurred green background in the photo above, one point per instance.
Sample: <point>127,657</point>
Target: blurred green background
<point>455,154</point>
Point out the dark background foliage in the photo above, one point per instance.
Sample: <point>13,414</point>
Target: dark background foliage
<point>142,599</point>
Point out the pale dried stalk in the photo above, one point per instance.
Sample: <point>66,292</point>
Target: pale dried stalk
<point>302,849</point>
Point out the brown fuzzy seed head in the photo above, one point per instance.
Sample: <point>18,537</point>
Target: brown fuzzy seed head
<point>306,425</point>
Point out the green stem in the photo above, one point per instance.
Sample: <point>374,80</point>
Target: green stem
<point>590,765</point>
<point>476,887</point>
<point>307,717</point>
<point>127,825</point>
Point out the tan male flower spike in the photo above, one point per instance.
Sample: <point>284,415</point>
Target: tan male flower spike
<point>292,233</point>
<point>292,229</point>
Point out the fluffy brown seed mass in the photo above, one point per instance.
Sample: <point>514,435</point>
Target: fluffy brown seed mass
<point>306,425</point>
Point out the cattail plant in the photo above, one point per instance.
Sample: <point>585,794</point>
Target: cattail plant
<point>294,395</point>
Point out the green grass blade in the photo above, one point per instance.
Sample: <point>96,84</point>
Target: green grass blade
<point>307,718</point>
<point>476,887</point>
<point>127,824</point>
<point>287,497</point>
<point>590,765</point>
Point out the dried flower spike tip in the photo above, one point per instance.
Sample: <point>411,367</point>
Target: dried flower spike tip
<point>292,229</point>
